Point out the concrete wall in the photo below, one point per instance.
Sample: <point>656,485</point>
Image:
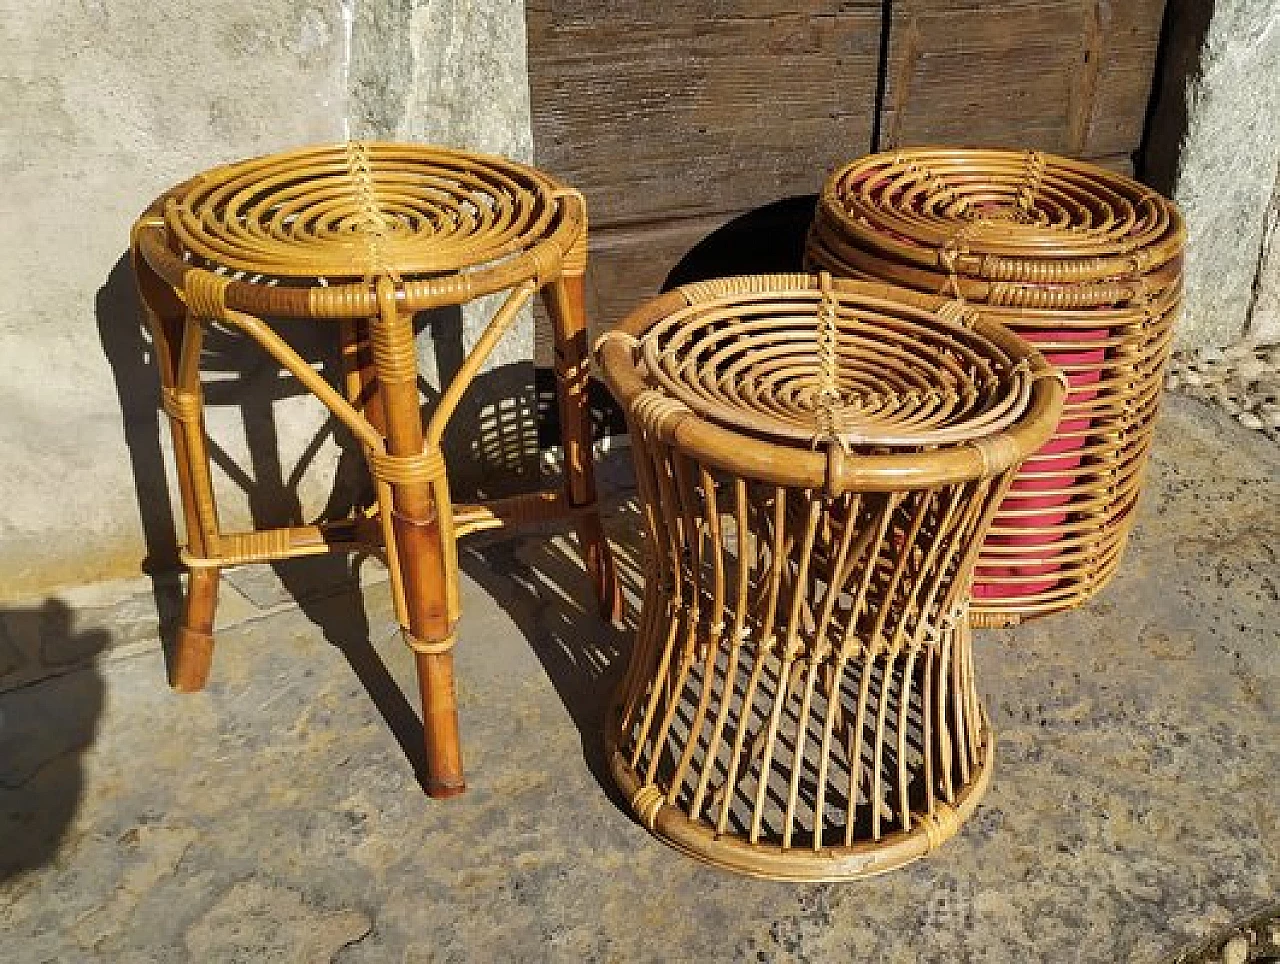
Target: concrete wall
<point>106,102</point>
<point>1264,319</point>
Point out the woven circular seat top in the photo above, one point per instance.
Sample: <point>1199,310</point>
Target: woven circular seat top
<point>1021,204</point>
<point>804,362</point>
<point>358,209</point>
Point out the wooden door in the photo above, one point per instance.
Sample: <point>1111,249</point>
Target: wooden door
<point>1068,76</point>
<point>673,116</point>
<point>676,116</point>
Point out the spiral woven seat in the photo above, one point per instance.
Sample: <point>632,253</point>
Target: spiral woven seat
<point>1084,263</point>
<point>347,211</point>
<point>361,236</point>
<point>768,368</point>
<point>817,463</point>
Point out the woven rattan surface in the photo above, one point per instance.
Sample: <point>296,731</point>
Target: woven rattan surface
<point>367,234</point>
<point>811,366</point>
<point>1084,263</point>
<point>302,233</point>
<point>817,463</point>
<point>360,209</point>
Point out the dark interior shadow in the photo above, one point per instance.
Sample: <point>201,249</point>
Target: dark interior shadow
<point>1182,35</point>
<point>48,719</point>
<point>767,240</point>
<point>491,447</point>
<point>607,419</point>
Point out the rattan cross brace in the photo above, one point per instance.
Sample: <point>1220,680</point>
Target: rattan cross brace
<point>366,235</point>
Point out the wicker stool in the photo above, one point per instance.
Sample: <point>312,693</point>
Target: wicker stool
<point>817,464</point>
<point>361,237</point>
<point>1085,264</point>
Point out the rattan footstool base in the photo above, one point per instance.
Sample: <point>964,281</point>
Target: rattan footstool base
<point>772,862</point>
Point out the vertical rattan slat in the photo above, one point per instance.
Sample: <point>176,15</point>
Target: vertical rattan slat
<point>1084,263</point>
<point>818,462</point>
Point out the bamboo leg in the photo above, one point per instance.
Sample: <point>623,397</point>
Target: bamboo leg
<point>565,299</point>
<point>420,526</point>
<point>194,650</point>
<point>176,342</point>
<point>193,653</point>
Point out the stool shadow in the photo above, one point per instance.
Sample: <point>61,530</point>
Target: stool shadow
<point>127,346</point>
<point>767,240</point>
<point>491,447</point>
<point>539,581</point>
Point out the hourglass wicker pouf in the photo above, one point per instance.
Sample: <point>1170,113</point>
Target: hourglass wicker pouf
<point>817,463</point>
<point>359,237</point>
<point>1085,264</point>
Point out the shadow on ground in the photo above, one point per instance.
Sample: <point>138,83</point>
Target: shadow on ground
<point>767,240</point>
<point>541,585</point>
<point>45,728</point>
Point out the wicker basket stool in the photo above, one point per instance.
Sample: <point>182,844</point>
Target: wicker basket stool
<point>817,464</point>
<point>360,237</point>
<point>1084,263</point>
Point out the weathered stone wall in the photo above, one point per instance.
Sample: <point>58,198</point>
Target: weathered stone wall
<point>1219,115</point>
<point>1264,322</point>
<point>107,102</point>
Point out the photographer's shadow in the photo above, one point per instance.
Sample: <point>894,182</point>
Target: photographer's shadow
<point>46,726</point>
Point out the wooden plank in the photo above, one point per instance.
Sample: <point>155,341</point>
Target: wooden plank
<point>659,110</point>
<point>1069,76</point>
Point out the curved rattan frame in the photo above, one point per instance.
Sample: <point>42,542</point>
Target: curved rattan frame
<point>1085,263</point>
<point>808,564</point>
<point>364,235</point>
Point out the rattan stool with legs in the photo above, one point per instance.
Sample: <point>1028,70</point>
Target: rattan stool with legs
<point>361,237</point>
<point>817,462</point>
<point>1084,263</point>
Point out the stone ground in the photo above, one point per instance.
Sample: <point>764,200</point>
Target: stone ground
<point>277,817</point>
<point>1243,380</point>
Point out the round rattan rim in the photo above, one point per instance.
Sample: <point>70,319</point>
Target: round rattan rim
<point>306,232</point>
<point>693,362</point>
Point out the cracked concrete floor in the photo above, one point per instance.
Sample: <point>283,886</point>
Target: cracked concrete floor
<point>276,817</point>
